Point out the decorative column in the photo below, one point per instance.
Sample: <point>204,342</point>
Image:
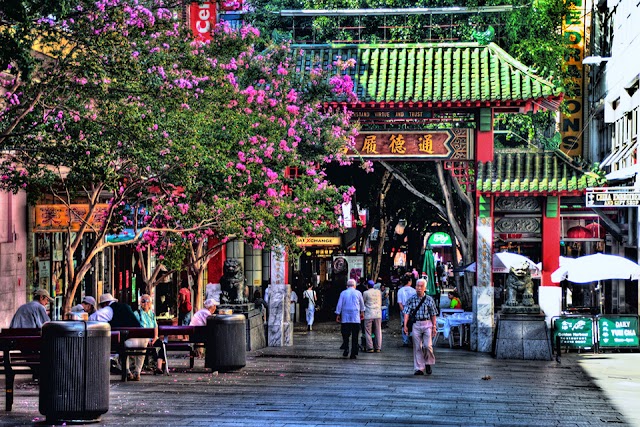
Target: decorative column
<point>280,330</point>
<point>549,293</point>
<point>483,309</point>
<point>252,268</point>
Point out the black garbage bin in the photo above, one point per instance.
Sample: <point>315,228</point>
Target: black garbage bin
<point>226,342</point>
<point>74,373</point>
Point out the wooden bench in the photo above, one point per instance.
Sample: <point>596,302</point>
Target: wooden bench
<point>21,350</point>
<point>196,338</point>
<point>123,351</point>
<point>20,356</point>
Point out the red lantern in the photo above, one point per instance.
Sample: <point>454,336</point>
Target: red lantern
<point>597,231</point>
<point>579,232</point>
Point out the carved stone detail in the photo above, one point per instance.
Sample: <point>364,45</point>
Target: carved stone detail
<point>517,204</point>
<point>518,225</point>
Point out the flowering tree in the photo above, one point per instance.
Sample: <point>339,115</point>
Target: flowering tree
<point>177,135</point>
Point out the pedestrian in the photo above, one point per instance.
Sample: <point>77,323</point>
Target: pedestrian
<point>34,313</point>
<point>89,305</point>
<point>292,307</point>
<point>405,293</point>
<point>120,315</point>
<point>373,318</point>
<point>422,309</point>
<point>147,319</point>
<point>312,302</point>
<point>350,312</point>
<point>385,304</point>
<point>184,305</point>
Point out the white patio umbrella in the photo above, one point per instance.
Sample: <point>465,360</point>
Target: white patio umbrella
<point>503,261</point>
<point>592,268</point>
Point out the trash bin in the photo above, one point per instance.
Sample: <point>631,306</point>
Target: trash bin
<point>74,373</point>
<point>226,342</point>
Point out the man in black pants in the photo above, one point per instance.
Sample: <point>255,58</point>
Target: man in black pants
<point>350,312</point>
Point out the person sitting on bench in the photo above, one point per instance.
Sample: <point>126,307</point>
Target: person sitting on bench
<point>147,319</point>
<point>33,314</point>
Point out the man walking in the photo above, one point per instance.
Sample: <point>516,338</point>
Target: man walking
<point>405,293</point>
<point>422,307</point>
<point>373,318</point>
<point>350,312</point>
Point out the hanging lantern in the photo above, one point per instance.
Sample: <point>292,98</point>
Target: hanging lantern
<point>579,232</point>
<point>597,230</point>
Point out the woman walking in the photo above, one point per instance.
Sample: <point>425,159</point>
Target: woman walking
<point>310,295</point>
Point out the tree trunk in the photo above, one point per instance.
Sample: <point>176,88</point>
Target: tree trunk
<point>387,178</point>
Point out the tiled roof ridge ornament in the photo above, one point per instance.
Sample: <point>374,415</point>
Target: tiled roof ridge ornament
<point>485,37</point>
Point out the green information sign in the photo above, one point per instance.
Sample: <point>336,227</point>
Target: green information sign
<point>618,331</point>
<point>574,332</point>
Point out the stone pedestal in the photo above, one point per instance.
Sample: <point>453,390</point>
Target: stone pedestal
<point>255,325</point>
<point>523,336</point>
<point>280,328</point>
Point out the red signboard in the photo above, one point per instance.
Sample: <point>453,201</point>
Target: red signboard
<point>202,18</point>
<point>429,144</point>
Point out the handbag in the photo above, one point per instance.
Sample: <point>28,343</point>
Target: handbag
<point>412,315</point>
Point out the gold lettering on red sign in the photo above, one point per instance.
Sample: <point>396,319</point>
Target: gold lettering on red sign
<point>397,144</point>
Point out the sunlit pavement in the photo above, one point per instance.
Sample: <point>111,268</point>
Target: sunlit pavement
<point>311,383</point>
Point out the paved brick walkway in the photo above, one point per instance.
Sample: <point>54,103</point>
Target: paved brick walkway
<point>310,384</point>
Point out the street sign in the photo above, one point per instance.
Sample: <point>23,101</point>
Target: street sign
<point>574,332</point>
<point>617,197</point>
<point>618,331</point>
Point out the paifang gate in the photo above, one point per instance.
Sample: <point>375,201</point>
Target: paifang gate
<point>436,102</point>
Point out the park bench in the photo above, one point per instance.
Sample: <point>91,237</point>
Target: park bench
<point>20,356</point>
<point>21,350</point>
<point>123,351</point>
<point>195,339</point>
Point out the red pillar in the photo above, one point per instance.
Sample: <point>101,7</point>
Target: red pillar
<point>484,135</point>
<point>550,240</point>
<point>214,269</point>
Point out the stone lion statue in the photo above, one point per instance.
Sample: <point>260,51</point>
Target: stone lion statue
<point>519,282</point>
<point>232,283</point>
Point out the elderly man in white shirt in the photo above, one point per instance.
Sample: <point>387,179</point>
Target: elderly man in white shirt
<point>350,311</point>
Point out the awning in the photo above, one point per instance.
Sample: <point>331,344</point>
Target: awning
<point>624,173</point>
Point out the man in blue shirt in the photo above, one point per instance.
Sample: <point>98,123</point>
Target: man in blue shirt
<point>350,311</point>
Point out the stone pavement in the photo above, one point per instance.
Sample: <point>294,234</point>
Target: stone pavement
<point>310,384</point>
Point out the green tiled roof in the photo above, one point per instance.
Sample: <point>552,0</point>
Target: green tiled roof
<point>532,171</point>
<point>432,72</point>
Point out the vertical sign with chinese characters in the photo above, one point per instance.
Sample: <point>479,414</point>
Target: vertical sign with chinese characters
<point>429,144</point>
<point>572,122</point>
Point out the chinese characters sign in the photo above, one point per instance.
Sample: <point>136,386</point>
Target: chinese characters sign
<point>432,144</point>
<point>618,331</point>
<point>53,218</point>
<point>574,332</point>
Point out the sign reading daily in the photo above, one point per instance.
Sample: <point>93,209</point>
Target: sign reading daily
<point>432,144</point>
<point>618,331</point>
<point>574,332</point>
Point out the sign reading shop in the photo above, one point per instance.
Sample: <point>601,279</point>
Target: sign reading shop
<point>620,197</point>
<point>454,144</point>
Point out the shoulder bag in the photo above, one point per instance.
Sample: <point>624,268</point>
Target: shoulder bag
<point>412,315</point>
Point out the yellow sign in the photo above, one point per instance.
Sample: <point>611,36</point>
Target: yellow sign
<point>317,241</point>
<point>54,218</point>
<point>572,122</point>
